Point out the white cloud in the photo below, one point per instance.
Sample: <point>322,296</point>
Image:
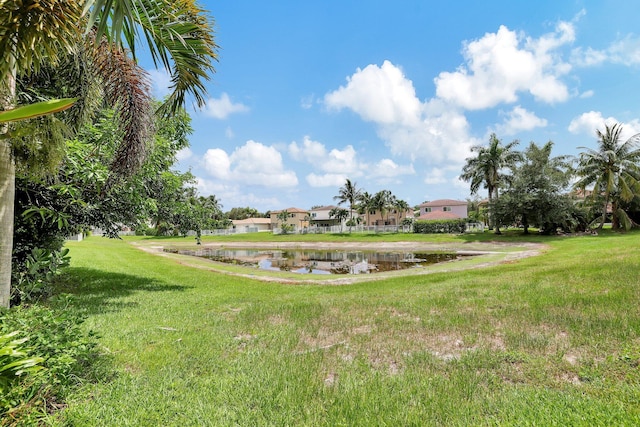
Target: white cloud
<point>433,131</point>
<point>625,51</point>
<point>160,83</point>
<point>588,123</point>
<point>387,168</point>
<point>519,119</point>
<point>378,94</point>
<point>251,164</point>
<point>184,154</point>
<point>587,94</point>
<point>222,107</point>
<point>326,180</point>
<point>306,102</point>
<point>436,176</point>
<point>228,132</point>
<point>217,163</point>
<point>500,65</point>
<point>342,162</point>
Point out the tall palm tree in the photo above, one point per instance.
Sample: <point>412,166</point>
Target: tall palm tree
<point>365,204</point>
<point>348,193</point>
<point>383,201</point>
<point>487,168</point>
<point>400,206</point>
<point>39,33</point>
<point>613,169</point>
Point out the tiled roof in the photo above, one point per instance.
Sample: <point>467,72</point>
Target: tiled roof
<point>323,208</point>
<point>439,215</point>
<point>291,210</point>
<point>444,202</point>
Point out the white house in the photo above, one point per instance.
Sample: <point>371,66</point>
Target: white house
<point>251,225</point>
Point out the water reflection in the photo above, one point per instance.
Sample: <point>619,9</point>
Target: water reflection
<point>322,262</point>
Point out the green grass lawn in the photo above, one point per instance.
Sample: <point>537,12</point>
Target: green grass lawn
<point>548,340</point>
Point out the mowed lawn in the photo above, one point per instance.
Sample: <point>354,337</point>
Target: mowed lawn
<point>547,340</point>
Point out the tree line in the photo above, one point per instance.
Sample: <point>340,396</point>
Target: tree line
<point>532,188</point>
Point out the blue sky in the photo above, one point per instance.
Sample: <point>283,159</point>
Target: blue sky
<point>393,94</point>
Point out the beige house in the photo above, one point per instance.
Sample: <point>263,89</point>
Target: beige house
<point>390,217</point>
<point>251,225</point>
<point>296,217</point>
<point>443,209</point>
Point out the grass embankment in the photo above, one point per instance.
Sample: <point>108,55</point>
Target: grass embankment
<point>548,340</point>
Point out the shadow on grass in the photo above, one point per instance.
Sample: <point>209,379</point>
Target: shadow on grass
<point>97,291</point>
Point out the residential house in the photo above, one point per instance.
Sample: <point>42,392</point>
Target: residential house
<point>443,209</point>
<point>251,225</point>
<point>319,217</point>
<point>388,217</point>
<point>296,217</point>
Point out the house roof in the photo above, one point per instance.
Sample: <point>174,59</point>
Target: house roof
<point>323,208</point>
<point>251,221</point>
<point>291,210</point>
<point>443,202</point>
<point>439,215</point>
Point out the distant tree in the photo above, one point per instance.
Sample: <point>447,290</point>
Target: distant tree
<point>401,207</point>
<point>283,219</point>
<point>383,201</point>
<point>614,171</point>
<point>339,214</point>
<point>348,193</point>
<point>536,194</point>
<point>244,213</point>
<point>365,204</point>
<point>487,168</point>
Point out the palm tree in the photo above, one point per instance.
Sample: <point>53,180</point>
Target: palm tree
<point>365,204</point>
<point>383,201</point>
<point>401,207</point>
<point>339,214</point>
<point>613,170</point>
<point>486,168</point>
<point>348,193</point>
<point>36,35</point>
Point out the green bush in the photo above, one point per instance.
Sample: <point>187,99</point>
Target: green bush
<point>32,279</point>
<point>68,355</point>
<point>447,226</point>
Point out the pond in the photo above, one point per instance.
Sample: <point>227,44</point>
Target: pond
<point>308,261</point>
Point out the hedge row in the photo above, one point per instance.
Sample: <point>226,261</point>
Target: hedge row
<point>452,226</point>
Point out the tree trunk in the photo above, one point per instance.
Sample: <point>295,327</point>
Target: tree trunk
<point>7,190</point>
<point>7,195</point>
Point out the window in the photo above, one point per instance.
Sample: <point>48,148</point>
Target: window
<point>447,208</point>
<point>427,210</point>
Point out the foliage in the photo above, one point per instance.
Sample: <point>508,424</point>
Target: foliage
<point>488,168</point>
<point>349,192</point>
<point>32,279</point>
<point>451,226</point>
<point>244,213</point>
<point>68,355</point>
<point>14,362</point>
<point>536,194</point>
<point>614,171</point>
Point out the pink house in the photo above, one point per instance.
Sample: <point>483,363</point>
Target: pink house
<point>443,209</point>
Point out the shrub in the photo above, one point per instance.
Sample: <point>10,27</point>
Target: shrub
<point>67,354</point>
<point>32,279</point>
<point>452,226</point>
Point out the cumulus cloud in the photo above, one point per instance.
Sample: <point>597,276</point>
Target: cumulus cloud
<point>336,164</point>
<point>387,168</point>
<point>625,51</point>
<point>184,154</point>
<point>588,123</point>
<point>222,107</point>
<point>500,65</point>
<point>252,164</point>
<point>378,94</point>
<point>432,131</point>
<point>519,119</point>
<point>160,83</point>
<point>326,180</point>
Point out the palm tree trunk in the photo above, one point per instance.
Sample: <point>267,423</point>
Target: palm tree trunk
<point>604,210</point>
<point>7,195</point>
